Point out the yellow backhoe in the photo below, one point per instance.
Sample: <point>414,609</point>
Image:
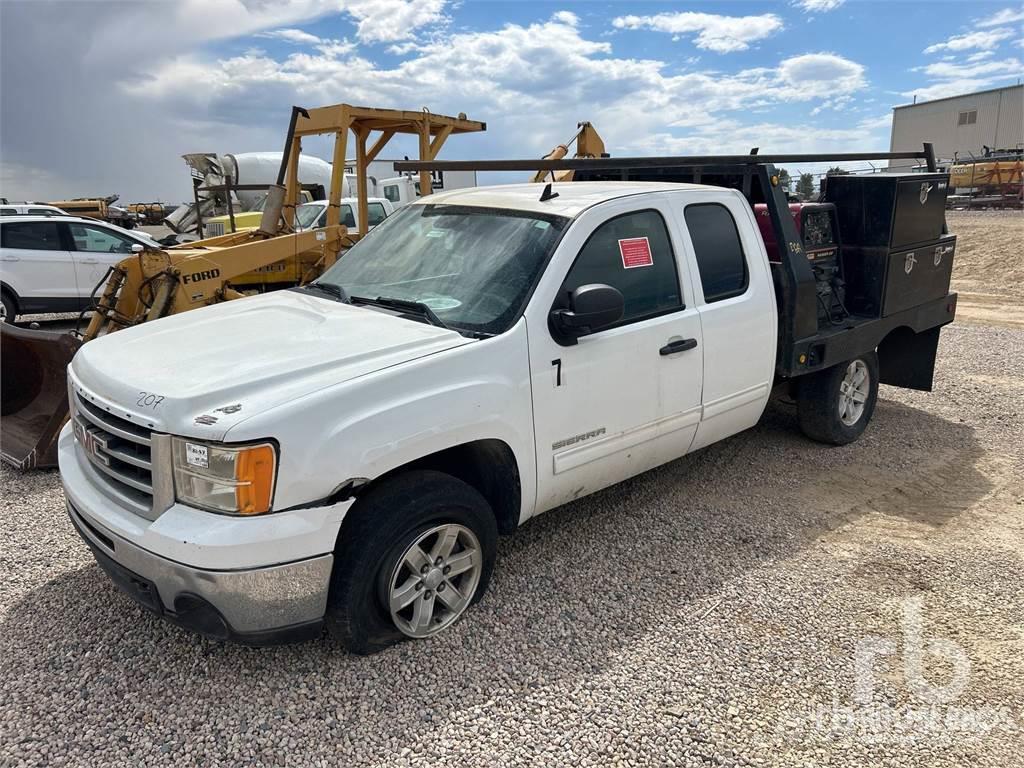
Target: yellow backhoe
<point>589,144</point>
<point>152,284</point>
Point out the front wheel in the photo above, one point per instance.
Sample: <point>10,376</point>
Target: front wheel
<point>8,308</point>
<point>415,553</point>
<point>835,405</point>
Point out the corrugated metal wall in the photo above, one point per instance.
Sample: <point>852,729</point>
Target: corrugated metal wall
<point>1000,124</point>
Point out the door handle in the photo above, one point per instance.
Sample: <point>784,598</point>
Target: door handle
<point>679,345</point>
<point>10,258</point>
<point>89,261</point>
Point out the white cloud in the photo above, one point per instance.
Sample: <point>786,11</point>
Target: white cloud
<point>290,35</point>
<point>949,71</point>
<point>818,6</point>
<point>1005,16</point>
<point>391,20</point>
<point>493,75</point>
<point>984,40</point>
<point>949,88</point>
<point>722,34</point>
<point>981,56</point>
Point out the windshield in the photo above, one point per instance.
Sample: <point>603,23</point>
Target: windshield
<point>474,267</point>
<point>306,214</point>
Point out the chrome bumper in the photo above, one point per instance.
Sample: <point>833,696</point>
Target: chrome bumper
<point>260,606</point>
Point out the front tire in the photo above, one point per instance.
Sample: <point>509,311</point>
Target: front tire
<point>413,555</point>
<point>835,405</point>
<point>8,309</point>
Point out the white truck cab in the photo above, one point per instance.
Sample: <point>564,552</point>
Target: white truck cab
<point>346,453</point>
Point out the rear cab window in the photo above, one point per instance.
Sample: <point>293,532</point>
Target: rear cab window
<point>633,254</point>
<point>718,251</point>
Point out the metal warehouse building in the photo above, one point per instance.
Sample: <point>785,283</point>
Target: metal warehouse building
<point>960,125</point>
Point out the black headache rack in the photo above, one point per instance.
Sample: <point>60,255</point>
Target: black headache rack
<point>888,310</point>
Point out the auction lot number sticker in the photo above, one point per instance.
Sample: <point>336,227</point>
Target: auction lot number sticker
<point>635,252</point>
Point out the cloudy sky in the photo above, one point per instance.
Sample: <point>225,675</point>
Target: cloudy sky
<point>103,97</point>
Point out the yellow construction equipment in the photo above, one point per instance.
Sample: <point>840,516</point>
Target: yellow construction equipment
<point>152,284</point>
<point>589,144</point>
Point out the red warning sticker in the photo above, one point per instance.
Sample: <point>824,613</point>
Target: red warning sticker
<point>635,252</point>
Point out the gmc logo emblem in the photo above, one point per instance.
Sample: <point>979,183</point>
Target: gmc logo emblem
<point>195,277</point>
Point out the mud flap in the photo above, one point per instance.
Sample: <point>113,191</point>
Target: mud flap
<point>907,359</point>
<point>34,394</point>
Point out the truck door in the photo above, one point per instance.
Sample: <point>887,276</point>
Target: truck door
<point>737,309</point>
<point>626,398</point>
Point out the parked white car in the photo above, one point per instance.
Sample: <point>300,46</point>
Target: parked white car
<point>53,263</point>
<point>31,209</point>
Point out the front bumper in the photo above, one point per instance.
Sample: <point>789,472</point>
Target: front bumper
<point>258,606</point>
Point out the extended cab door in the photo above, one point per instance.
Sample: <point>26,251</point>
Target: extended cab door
<point>736,302</point>
<point>38,265</point>
<point>626,398</point>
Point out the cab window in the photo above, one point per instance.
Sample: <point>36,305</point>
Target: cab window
<point>31,235</point>
<point>375,214</point>
<point>718,250</point>
<point>632,253</point>
<point>346,216</point>
<point>99,240</point>
<point>392,193</point>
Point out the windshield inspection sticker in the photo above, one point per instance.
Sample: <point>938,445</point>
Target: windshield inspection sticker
<point>635,252</point>
<point>197,455</point>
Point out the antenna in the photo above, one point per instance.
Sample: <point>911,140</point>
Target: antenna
<point>547,194</point>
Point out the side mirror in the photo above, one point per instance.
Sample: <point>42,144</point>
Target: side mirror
<point>591,308</point>
<point>138,247</point>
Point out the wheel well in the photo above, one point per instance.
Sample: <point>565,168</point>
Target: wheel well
<point>7,291</point>
<point>489,466</point>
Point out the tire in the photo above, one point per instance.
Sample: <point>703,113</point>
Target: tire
<point>825,411</point>
<point>371,563</point>
<point>9,309</point>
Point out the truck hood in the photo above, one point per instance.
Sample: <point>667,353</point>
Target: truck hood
<point>210,368</point>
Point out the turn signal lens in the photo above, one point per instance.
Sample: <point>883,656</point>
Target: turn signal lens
<point>254,473</point>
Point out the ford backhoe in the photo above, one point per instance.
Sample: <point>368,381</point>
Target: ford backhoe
<point>152,284</point>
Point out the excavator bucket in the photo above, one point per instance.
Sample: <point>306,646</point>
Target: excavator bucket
<point>33,380</point>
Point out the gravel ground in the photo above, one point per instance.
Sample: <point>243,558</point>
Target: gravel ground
<point>706,613</point>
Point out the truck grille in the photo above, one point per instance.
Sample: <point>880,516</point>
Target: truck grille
<point>213,229</point>
<point>119,450</point>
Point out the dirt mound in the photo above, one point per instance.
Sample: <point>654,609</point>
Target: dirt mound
<point>988,269</point>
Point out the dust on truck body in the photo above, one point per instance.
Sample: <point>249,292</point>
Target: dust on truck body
<point>345,454</point>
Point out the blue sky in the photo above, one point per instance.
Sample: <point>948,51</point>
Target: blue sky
<point>104,97</point>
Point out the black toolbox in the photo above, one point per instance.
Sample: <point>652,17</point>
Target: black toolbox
<point>881,282</point>
<point>894,254</point>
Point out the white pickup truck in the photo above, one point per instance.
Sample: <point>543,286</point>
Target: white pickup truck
<point>347,453</point>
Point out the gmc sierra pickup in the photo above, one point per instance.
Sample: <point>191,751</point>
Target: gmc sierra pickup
<point>347,453</point>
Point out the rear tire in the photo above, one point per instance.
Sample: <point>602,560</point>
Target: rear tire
<point>835,405</point>
<point>8,309</point>
<point>395,523</point>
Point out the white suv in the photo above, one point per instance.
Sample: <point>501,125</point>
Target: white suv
<point>54,263</point>
<point>31,209</point>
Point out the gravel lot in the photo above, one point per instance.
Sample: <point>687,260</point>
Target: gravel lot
<point>707,613</point>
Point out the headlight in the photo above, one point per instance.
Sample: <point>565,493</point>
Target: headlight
<point>238,480</point>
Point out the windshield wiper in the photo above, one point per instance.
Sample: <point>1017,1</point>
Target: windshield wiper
<point>421,309</point>
<point>404,304</point>
<point>330,289</point>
